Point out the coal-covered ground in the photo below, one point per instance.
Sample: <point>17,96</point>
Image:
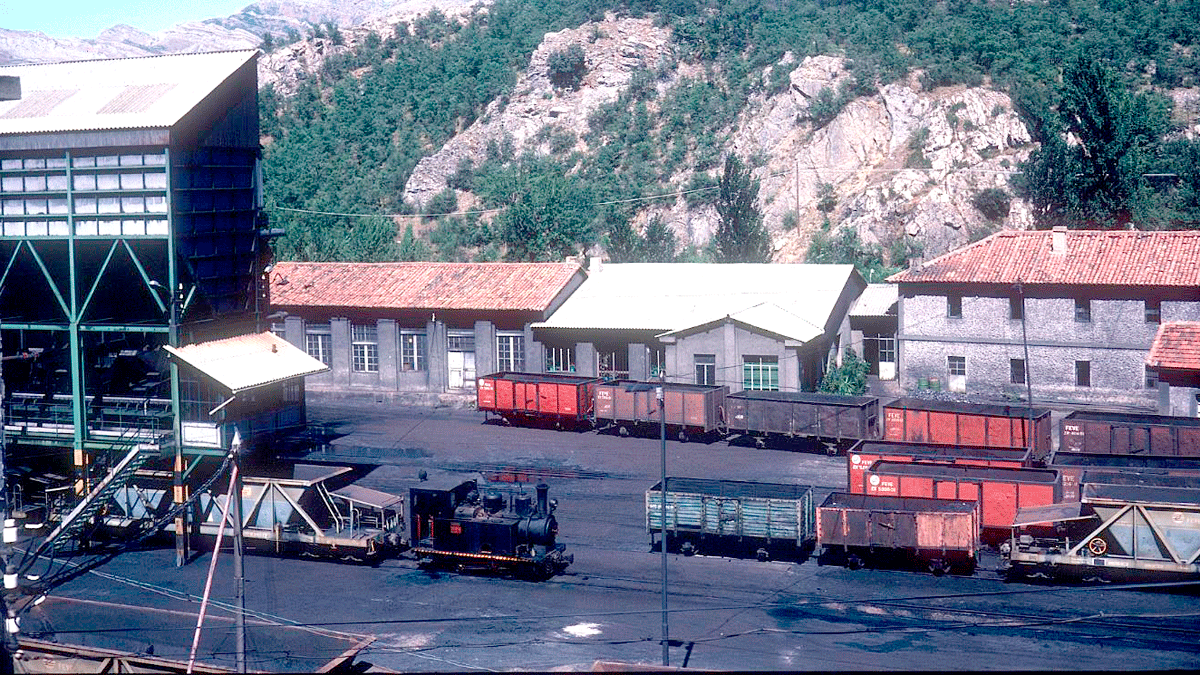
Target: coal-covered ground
<point>725,613</point>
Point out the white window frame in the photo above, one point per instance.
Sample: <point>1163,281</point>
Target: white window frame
<point>760,373</point>
<point>705,366</point>
<point>560,359</point>
<point>510,352</point>
<point>412,350</point>
<point>318,342</point>
<point>364,348</point>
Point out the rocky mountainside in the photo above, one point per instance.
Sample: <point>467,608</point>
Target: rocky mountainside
<point>243,30</point>
<point>902,164</point>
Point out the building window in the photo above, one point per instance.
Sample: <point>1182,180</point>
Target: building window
<point>1083,310</point>
<point>658,361</point>
<point>760,373</point>
<point>279,330</point>
<point>1016,308</point>
<point>460,343</point>
<point>318,342</point>
<point>887,348</point>
<point>560,359</point>
<point>1153,311</point>
<point>1083,373</point>
<point>706,368</point>
<point>612,363</point>
<point>1016,371</point>
<point>412,350</point>
<point>364,348</point>
<point>956,365</point>
<point>954,306</point>
<point>510,352</point>
<point>1151,378</point>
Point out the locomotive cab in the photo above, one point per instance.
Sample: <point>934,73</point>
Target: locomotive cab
<point>458,525</point>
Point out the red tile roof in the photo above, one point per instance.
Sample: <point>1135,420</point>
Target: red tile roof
<point>1176,347</point>
<point>1092,258</point>
<point>420,285</point>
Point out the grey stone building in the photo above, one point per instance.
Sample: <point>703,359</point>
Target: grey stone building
<point>387,328</point>
<point>1070,313</point>
<point>747,326</point>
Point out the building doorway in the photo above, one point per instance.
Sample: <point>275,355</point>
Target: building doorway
<point>460,359</point>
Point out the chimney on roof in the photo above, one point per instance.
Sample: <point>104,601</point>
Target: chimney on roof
<point>594,264</point>
<point>1058,239</point>
<point>10,88</point>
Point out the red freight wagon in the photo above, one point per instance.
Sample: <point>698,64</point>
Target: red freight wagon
<point>1000,491</point>
<point>548,396</point>
<point>1099,433</point>
<point>691,409</point>
<point>1072,466</point>
<point>951,423</point>
<point>865,453</point>
<point>939,533</point>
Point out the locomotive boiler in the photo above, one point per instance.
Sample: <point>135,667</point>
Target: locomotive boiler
<point>461,527</point>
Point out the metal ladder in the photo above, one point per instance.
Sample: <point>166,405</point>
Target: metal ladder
<point>95,500</point>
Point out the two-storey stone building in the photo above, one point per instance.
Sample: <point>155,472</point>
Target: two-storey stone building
<point>1071,314</point>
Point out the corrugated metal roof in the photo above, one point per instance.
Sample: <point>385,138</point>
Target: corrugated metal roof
<point>1091,258</point>
<point>132,93</point>
<point>1176,346</point>
<point>248,361</point>
<point>421,285</point>
<point>669,297</point>
<point>876,300</point>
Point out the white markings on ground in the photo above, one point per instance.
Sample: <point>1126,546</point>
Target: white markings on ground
<point>583,629</point>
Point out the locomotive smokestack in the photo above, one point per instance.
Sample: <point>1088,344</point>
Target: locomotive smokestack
<point>543,503</point>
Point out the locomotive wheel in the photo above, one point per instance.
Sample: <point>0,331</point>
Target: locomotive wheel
<point>1097,547</point>
<point>549,568</point>
<point>687,548</point>
<point>762,554</point>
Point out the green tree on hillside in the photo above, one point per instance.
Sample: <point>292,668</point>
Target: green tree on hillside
<point>741,235</point>
<point>549,215</point>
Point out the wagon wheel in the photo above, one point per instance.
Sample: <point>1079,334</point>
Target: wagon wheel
<point>1098,547</point>
<point>683,436</point>
<point>854,562</point>
<point>622,431</point>
<point>938,567</point>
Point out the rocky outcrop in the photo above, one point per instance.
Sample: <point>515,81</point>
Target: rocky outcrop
<point>902,162</point>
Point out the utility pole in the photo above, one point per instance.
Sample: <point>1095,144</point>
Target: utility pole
<point>239,575</point>
<point>662,430</point>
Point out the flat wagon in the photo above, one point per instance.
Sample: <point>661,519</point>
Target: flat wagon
<point>858,529</point>
<point>736,517</point>
<point>1000,492</point>
<point>551,397</point>
<point>834,420</point>
<point>1124,525</point>
<point>1100,433</point>
<point>1073,465</point>
<point>691,409</point>
<point>951,423</point>
<point>862,455</point>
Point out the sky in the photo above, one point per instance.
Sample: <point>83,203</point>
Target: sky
<point>86,18</point>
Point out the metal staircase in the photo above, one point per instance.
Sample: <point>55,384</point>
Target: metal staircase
<point>82,514</point>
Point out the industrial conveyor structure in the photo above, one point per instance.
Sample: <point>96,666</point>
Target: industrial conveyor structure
<point>315,511</point>
<point>1149,523</point>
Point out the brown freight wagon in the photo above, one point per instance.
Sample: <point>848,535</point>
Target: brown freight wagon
<point>1100,433</point>
<point>550,397</point>
<point>1000,491</point>
<point>858,529</point>
<point>864,454</point>
<point>691,409</point>
<point>1072,467</point>
<point>834,420</point>
<point>952,423</point>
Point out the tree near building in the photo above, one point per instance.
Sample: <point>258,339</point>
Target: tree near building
<point>848,379</point>
<point>741,235</point>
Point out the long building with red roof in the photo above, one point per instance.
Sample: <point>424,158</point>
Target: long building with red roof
<point>416,326</point>
<point>1072,314</point>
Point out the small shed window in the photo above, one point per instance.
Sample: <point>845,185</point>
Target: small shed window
<point>1083,373</point>
<point>954,306</point>
<point>1083,310</point>
<point>1153,311</point>
<point>1151,378</point>
<point>1016,370</point>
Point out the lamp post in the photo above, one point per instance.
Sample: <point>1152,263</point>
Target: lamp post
<point>239,575</point>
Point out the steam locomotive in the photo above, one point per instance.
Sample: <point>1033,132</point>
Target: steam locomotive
<point>458,526</point>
